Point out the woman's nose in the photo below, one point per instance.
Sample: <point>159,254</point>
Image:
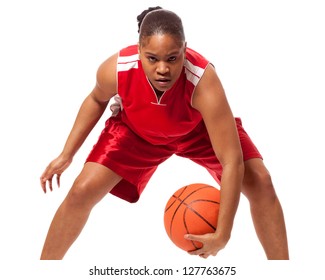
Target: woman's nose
<point>162,68</point>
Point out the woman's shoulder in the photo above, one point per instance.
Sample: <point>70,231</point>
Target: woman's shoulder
<point>106,74</point>
<point>195,58</point>
<point>131,50</point>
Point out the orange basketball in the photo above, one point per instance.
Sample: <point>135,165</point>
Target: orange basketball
<point>191,209</point>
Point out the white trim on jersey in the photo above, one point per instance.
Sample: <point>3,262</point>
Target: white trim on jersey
<point>127,59</point>
<point>127,66</point>
<point>125,63</point>
<point>193,73</point>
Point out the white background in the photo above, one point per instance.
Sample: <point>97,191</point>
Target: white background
<point>270,58</point>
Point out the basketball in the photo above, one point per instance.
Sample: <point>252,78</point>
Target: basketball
<point>192,209</point>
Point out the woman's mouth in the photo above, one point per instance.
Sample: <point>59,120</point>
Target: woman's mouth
<point>163,82</point>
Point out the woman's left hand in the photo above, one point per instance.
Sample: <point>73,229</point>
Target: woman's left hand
<point>212,244</point>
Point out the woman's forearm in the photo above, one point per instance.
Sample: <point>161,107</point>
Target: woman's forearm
<point>89,113</point>
<point>230,193</point>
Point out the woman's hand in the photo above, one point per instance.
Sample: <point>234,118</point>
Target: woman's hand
<point>56,167</point>
<point>212,244</point>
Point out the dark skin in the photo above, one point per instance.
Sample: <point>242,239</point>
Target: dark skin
<point>162,58</point>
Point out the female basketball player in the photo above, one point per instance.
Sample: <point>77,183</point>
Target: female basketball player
<point>169,100</point>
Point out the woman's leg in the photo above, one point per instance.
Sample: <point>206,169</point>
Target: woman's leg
<point>266,210</point>
<point>92,184</point>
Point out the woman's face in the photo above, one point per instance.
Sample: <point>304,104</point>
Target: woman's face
<point>162,59</point>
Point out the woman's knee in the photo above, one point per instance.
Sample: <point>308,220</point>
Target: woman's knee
<point>92,184</point>
<point>80,195</point>
<point>86,192</point>
<point>257,184</point>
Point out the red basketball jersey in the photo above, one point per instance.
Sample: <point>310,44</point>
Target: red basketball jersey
<point>158,121</point>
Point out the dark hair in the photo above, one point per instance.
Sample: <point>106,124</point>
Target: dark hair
<point>144,13</point>
<point>156,20</point>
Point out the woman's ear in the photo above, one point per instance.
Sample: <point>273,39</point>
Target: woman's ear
<point>139,48</point>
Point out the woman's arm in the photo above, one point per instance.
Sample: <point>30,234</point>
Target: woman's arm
<point>89,113</point>
<point>210,100</point>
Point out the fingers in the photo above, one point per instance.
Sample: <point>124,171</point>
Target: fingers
<point>198,238</point>
<point>199,252</point>
<point>50,184</point>
<point>45,179</point>
<point>58,179</point>
<point>43,184</point>
<point>204,256</point>
<point>55,168</point>
<point>202,252</point>
<point>206,250</point>
<point>194,237</point>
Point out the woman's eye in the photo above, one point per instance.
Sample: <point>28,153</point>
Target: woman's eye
<point>152,59</point>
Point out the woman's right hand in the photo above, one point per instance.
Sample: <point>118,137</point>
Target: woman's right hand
<point>56,167</point>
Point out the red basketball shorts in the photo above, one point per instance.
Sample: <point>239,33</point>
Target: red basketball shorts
<point>135,160</point>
